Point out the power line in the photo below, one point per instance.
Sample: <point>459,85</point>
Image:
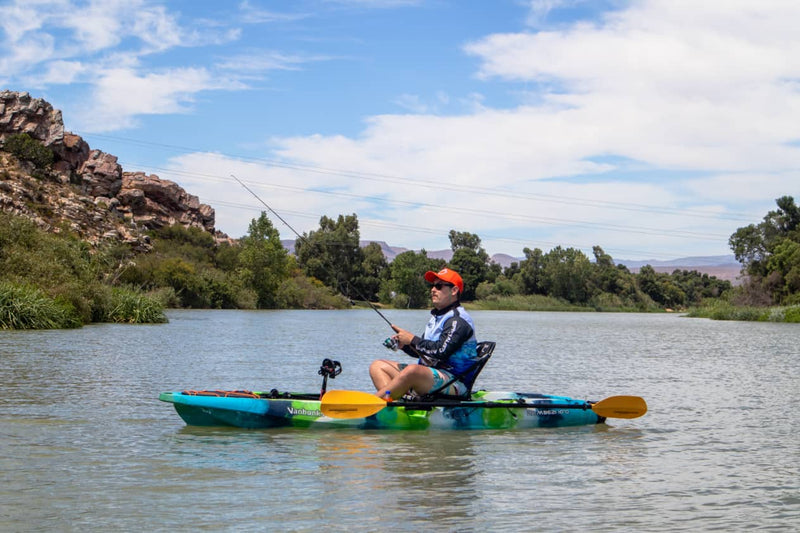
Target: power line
<point>508,216</point>
<point>529,243</point>
<point>453,187</point>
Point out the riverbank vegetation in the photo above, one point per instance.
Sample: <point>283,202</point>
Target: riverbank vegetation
<point>726,311</point>
<point>57,280</point>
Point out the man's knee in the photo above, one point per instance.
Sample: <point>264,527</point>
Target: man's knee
<point>416,371</point>
<point>382,365</point>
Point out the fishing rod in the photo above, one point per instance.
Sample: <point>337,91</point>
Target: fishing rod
<point>355,289</point>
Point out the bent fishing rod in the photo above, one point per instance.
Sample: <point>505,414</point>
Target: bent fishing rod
<point>302,238</point>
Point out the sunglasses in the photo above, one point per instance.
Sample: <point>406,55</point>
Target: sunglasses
<point>439,285</point>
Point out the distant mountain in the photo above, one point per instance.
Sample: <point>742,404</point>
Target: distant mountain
<point>390,252</point>
<point>505,260</point>
<point>720,266</point>
<point>722,263</point>
<point>711,260</point>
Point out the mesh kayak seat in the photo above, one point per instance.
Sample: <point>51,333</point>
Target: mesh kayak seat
<point>467,377</point>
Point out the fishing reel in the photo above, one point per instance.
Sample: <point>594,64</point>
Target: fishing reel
<point>390,343</point>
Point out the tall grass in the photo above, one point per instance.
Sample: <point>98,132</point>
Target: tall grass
<point>53,281</point>
<point>26,307</point>
<point>518,302</point>
<point>132,307</point>
<point>726,311</point>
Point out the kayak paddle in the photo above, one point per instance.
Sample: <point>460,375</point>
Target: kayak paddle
<point>350,404</point>
<point>356,404</point>
<point>620,407</point>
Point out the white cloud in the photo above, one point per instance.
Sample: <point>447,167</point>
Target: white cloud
<point>120,95</point>
<point>250,14</point>
<point>260,61</point>
<point>709,95</point>
<point>540,9</point>
<point>377,4</point>
<point>103,44</point>
<point>412,102</point>
<point>60,72</point>
<point>659,127</point>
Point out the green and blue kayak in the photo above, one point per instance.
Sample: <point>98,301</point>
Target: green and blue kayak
<point>351,409</point>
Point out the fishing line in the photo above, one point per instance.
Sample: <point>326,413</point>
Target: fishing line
<point>355,289</point>
<point>358,293</point>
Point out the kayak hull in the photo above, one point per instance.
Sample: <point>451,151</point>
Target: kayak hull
<point>486,410</point>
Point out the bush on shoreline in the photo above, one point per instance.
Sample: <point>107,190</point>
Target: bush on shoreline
<point>26,307</point>
<point>518,302</point>
<point>52,281</point>
<point>726,311</point>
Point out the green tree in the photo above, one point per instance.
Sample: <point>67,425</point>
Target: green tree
<point>660,287</point>
<point>263,261</point>
<point>406,286</point>
<point>566,274</point>
<point>182,276</point>
<point>699,286</point>
<point>332,254</point>
<point>374,269</point>
<point>464,239</point>
<point>784,268</point>
<point>766,252</point>
<point>530,271</point>
<point>470,260</point>
<point>613,279</point>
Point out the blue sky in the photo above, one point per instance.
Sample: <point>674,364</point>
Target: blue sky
<point>653,129</point>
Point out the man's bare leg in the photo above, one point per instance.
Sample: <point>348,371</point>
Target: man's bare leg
<point>417,377</point>
<point>382,373</point>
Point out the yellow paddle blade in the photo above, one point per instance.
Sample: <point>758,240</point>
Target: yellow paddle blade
<point>620,407</point>
<point>350,404</point>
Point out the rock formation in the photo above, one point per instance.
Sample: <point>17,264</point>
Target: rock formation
<point>86,191</point>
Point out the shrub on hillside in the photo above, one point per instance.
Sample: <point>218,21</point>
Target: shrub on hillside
<point>26,148</point>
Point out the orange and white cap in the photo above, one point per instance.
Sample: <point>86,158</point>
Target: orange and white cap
<point>448,276</point>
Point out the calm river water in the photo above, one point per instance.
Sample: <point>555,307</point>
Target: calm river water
<point>87,446</point>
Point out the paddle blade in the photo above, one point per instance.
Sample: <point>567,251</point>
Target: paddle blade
<point>350,404</point>
<point>620,407</point>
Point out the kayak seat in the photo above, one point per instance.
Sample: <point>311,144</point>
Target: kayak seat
<point>485,349</point>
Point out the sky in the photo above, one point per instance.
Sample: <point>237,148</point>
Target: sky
<point>653,129</point>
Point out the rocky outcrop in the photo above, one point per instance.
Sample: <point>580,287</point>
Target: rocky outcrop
<point>74,153</point>
<point>101,175</point>
<point>86,190</point>
<point>19,113</point>
<point>155,203</point>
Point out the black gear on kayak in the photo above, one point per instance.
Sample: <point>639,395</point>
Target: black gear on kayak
<point>329,369</point>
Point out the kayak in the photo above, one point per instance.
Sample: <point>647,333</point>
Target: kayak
<point>363,410</point>
<point>360,410</point>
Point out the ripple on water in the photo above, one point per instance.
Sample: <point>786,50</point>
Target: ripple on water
<point>86,442</point>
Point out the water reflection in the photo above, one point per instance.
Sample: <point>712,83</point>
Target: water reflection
<point>86,443</point>
<point>422,478</point>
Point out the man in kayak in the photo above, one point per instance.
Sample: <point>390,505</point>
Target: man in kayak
<point>446,350</point>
